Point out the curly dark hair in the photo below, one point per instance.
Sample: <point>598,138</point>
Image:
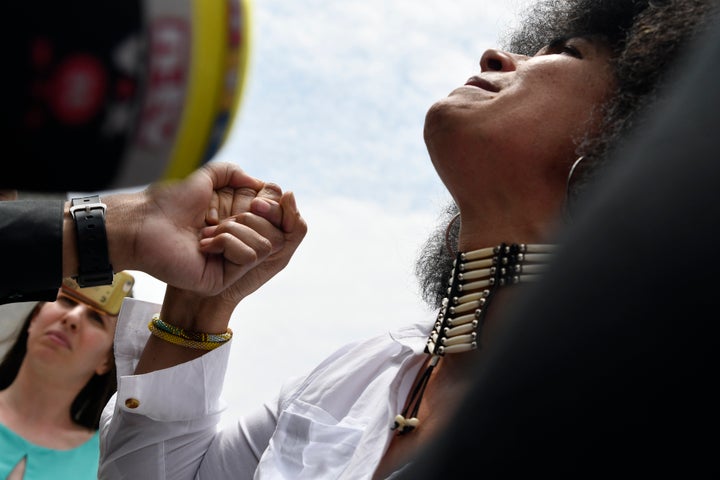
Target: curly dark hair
<point>647,39</point>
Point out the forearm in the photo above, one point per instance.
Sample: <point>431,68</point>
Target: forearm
<point>163,422</point>
<point>189,312</point>
<point>132,448</point>
<point>30,249</point>
<point>159,418</point>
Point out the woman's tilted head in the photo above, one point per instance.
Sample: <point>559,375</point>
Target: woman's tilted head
<point>71,341</point>
<point>512,128</point>
<point>66,341</point>
<point>515,158</point>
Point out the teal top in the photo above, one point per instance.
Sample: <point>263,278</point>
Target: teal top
<point>42,463</point>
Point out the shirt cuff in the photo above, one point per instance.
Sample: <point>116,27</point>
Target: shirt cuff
<point>184,392</point>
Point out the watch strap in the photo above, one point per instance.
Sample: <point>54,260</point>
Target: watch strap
<point>93,258</point>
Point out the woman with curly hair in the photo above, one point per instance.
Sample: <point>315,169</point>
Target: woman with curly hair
<point>515,146</point>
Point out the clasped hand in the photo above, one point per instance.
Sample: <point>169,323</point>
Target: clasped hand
<point>253,234</point>
<point>219,230</point>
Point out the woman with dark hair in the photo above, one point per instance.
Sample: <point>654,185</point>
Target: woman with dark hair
<point>514,146</point>
<point>54,382</point>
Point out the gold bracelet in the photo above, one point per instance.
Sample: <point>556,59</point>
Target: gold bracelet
<point>184,341</point>
<point>197,336</point>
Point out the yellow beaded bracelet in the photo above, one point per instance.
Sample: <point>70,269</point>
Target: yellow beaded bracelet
<point>197,336</point>
<point>178,336</point>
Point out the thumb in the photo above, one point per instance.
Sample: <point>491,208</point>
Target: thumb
<point>293,224</point>
<point>226,174</point>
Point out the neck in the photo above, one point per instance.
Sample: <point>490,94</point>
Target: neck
<point>476,279</point>
<point>505,222</point>
<point>40,399</point>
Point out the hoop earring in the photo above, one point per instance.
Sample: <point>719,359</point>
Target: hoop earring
<point>447,234</point>
<point>572,171</point>
<point>568,184</point>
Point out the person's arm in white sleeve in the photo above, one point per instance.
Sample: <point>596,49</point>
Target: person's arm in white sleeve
<point>167,408</point>
<point>163,424</point>
<point>159,424</point>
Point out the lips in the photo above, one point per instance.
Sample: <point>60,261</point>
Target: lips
<point>481,83</point>
<point>59,338</point>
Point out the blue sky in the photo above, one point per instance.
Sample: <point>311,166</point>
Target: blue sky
<point>337,92</point>
<point>333,109</point>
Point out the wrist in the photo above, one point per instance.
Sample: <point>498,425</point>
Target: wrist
<point>93,261</point>
<point>123,218</point>
<point>195,312</point>
<point>122,222</point>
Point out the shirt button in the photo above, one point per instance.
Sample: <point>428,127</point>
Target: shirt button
<point>132,403</point>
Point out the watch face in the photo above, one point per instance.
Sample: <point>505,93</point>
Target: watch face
<point>107,298</point>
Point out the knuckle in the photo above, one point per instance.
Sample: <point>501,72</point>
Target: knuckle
<point>265,247</point>
<point>273,187</point>
<point>246,192</point>
<point>243,218</point>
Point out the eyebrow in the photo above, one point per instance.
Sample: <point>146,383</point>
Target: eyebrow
<point>104,315</point>
<point>596,41</point>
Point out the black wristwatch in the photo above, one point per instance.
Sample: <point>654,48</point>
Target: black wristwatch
<point>93,259</point>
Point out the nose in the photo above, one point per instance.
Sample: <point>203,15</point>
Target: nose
<point>73,318</point>
<point>499,61</point>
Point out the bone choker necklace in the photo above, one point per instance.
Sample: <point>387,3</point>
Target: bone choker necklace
<point>474,279</point>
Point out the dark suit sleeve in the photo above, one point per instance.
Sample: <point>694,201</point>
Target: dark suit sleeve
<point>30,249</point>
<point>609,366</point>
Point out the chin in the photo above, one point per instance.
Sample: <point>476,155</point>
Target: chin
<point>441,120</point>
<point>450,114</point>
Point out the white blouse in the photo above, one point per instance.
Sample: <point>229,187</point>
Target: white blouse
<point>332,424</point>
